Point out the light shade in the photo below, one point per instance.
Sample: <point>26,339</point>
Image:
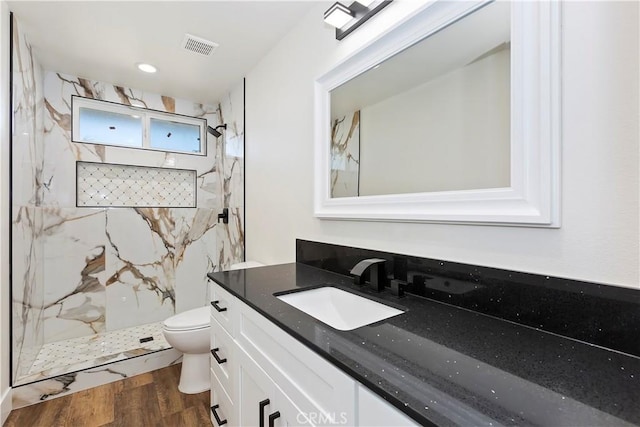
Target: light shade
<point>365,3</point>
<point>338,15</point>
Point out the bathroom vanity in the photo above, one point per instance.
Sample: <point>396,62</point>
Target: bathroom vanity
<point>260,375</point>
<point>437,363</point>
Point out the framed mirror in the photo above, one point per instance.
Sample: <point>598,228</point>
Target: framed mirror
<point>452,116</point>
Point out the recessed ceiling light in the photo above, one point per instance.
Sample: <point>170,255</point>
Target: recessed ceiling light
<point>147,68</point>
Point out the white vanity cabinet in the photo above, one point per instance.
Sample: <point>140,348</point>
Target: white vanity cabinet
<point>271,379</point>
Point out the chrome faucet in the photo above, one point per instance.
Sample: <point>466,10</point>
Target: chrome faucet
<point>377,274</point>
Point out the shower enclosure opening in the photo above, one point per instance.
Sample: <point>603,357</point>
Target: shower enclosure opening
<point>108,241</point>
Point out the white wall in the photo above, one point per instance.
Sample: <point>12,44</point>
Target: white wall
<point>5,348</point>
<point>599,238</point>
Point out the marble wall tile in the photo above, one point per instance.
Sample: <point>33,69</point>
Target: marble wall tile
<point>230,239</point>
<point>139,251</point>
<point>345,155</point>
<point>195,259</point>
<point>74,271</point>
<point>236,198</point>
<point>27,285</point>
<point>72,231</point>
<point>26,216</point>
<point>230,154</point>
<point>26,190</point>
<point>155,257</point>
<point>27,102</point>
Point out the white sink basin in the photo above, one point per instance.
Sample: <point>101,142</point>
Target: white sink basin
<point>339,309</point>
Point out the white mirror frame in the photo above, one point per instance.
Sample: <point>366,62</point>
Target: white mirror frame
<point>533,199</point>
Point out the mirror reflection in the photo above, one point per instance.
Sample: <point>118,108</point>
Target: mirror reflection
<point>435,117</point>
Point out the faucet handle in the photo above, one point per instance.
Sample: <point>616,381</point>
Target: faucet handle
<point>397,287</point>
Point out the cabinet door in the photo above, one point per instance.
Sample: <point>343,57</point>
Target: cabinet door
<point>223,412</point>
<point>256,393</point>
<point>223,358</point>
<point>262,403</point>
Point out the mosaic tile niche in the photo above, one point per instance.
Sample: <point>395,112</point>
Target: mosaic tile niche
<point>106,184</point>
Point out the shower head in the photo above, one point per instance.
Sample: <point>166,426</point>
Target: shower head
<point>214,131</point>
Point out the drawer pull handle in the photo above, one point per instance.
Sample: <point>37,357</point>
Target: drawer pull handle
<point>217,307</point>
<point>216,416</point>
<point>272,418</point>
<point>214,353</point>
<point>261,406</point>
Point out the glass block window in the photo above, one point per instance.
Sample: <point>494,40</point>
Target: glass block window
<point>111,185</point>
<point>108,123</point>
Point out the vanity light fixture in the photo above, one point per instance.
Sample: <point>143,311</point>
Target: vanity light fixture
<point>347,19</point>
<point>338,15</point>
<point>147,68</point>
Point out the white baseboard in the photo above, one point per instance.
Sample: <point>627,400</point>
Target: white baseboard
<point>5,404</point>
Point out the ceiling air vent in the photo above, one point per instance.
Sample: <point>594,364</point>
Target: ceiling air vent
<point>198,45</point>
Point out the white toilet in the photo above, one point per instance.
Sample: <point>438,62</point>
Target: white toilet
<point>188,332</point>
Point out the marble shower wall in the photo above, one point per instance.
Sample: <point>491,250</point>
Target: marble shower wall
<point>229,168</point>
<point>111,268</point>
<point>27,219</point>
<point>77,270</point>
<point>345,155</point>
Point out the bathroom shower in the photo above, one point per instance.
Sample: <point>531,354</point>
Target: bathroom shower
<point>214,131</point>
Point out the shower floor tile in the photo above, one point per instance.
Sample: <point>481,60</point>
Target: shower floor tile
<point>85,352</point>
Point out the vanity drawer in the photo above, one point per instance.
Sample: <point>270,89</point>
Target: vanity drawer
<point>221,405</point>
<point>223,307</point>
<point>223,357</point>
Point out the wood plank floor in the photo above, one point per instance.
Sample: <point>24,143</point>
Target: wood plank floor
<point>150,399</point>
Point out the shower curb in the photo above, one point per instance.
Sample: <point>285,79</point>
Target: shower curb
<point>69,383</point>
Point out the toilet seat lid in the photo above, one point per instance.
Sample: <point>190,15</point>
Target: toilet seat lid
<point>191,319</point>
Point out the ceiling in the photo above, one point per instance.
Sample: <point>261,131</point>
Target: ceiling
<point>103,40</point>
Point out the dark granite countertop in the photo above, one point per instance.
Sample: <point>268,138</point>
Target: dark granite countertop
<point>445,365</point>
